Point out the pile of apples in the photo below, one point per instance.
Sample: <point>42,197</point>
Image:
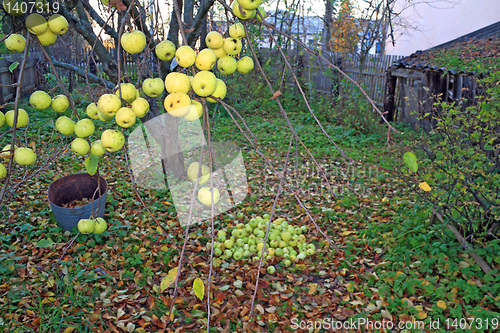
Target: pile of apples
<point>285,241</point>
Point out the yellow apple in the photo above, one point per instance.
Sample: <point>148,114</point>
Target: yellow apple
<point>245,65</point>
<point>47,38</point>
<point>100,226</point>
<point>58,24</point>
<point>102,117</point>
<point>195,112</point>
<point>112,140</point>
<point>125,117</point>
<point>97,149</point>
<point>185,56</point>
<point>250,4</point>
<point>177,104</point>
<point>214,40</point>
<point>153,87</point>
<point>140,107</point>
<point>177,82</point>
<point>219,53</point>
<point>86,226</point>
<point>227,65</point>
<point>237,30</point>
<point>203,174</point>
<point>15,43</point>
<point>260,13</point>
<point>165,50</point>
<point>3,171</point>
<point>108,104</point>
<point>60,103</point>
<point>220,91</point>
<point>25,156</point>
<point>22,118</point>
<point>205,196</point>
<point>6,152</point>
<point>84,128</point>
<point>128,91</point>
<point>133,42</point>
<point>36,24</point>
<point>14,7</point>
<point>92,110</point>
<point>204,83</point>
<point>241,13</point>
<point>205,60</point>
<point>232,46</point>
<point>65,125</point>
<point>40,100</point>
<point>2,119</point>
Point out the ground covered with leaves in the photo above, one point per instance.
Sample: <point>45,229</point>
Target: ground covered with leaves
<point>388,267</point>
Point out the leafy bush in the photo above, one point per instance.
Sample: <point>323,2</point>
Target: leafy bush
<point>463,154</point>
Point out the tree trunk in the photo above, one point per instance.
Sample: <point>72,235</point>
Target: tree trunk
<point>327,32</point>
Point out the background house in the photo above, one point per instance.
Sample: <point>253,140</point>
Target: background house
<point>430,23</point>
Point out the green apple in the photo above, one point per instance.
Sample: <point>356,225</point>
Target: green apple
<point>177,82</point>
<point>47,38</point>
<point>260,13</point>
<point>204,83</point>
<point>97,149</point>
<point>65,125</point>
<point>228,243</point>
<point>271,269</point>
<point>195,112</point>
<point>244,65</point>
<point>84,128</point>
<point>237,30</point>
<point>86,226</point>
<point>165,50</point>
<point>221,232</point>
<point>109,104</point>
<point>2,119</point>
<point>279,252</point>
<point>241,13</point>
<point>185,56</point>
<point>292,242</point>
<point>274,243</point>
<point>15,43</point>
<point>205,60</point>
<point>217,252</point>
<point>153,87</point>
<point>112,140</point>
<point>177,104</point>
<point>250,4</point>
<point>194,170</point>
<point>232,46</point>
<point>40,100</point>
<point>125,117</point>
<point>92,110</point>
<point>102,117</point>
<point>221,238</point>
<point>220,91</point>
<point>100,226</point>
<point>128,92</point>
<point>60,103</point>
<point>3,171</point>
<point>80,147</point>
<point>22,118</point>
<point>214,40</point>
<point>36,24</point>
<point>25,156</point>
<point>310,252</point>
<point>227,254</point>
<point>133,42</point>
<point>58,24</point>
<point>237,255</point>
<point>140,107</point>
<point>227,65</point>
<point>219,53</point>
<point>205,196</point>
<point>240,242</point>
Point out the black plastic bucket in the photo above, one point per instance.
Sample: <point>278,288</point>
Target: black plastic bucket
<point>77,187</point>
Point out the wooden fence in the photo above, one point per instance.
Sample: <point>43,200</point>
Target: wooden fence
<point>8,77</point>
<point>371,77</point>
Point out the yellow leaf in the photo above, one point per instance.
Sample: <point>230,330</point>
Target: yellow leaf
<point>199,288</point>
<point>351,287</point>
<point>169,279</point>
<point>347,233</point>
<point>164,248</point>
<point>69,329</point>
<point>424,186</point>
<point>441,304</point>
<point>312,288</point>
<point>422,315</point>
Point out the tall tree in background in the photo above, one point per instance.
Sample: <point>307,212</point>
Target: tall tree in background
<point>345,31</point>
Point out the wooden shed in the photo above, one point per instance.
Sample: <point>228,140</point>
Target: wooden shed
<point>445,73</point>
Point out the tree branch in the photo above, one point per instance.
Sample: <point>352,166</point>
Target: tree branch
<point>83,73</point>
